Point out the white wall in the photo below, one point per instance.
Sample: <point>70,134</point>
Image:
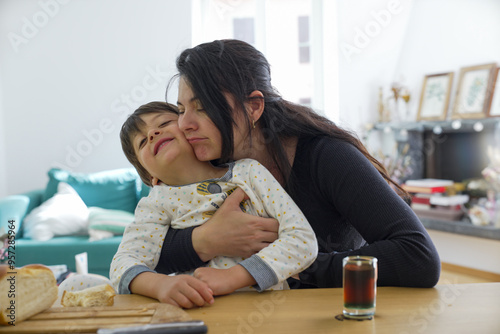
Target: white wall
<point>71,71</point>
<point>445,35</point>
<point>371,38</point>
<point>425,37</point>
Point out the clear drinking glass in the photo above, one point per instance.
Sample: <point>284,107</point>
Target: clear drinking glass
<point>360,286</point>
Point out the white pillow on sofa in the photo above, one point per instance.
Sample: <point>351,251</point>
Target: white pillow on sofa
<point>106,223</point>
<point>63,214</point>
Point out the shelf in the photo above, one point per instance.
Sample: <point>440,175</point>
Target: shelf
<point>462,227</point>
<point>466,125</point>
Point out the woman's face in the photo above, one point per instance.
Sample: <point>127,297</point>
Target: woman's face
<point>201,132</point>
<point>199,129</point>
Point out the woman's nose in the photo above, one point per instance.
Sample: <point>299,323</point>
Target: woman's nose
<point>152,134</point>
<point>187,122</point>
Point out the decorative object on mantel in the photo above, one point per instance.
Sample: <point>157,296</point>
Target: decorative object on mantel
<point>494,109</point>
<point>435,97</point>
<point>396,111</point>
<point>405,95</point>
<point>474,91</point>
<point>479,216</point>
<point>383,112</point>
<point>492,172</point>
<point>490,206</point>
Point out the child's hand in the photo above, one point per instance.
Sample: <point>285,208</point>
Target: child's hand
<point>183,290</point>
<point>224,281</point>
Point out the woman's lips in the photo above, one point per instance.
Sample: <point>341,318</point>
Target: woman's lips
<point>161,143</point>
<point>194,140</point>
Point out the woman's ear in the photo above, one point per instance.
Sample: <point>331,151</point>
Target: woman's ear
<point>255,105</point>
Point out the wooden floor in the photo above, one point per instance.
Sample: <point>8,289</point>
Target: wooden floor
<point>451,274</point>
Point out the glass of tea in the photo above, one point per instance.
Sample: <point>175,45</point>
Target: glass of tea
<point>360,286</point>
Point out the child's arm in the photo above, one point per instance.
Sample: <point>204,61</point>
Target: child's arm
<point>182,290</point>
<point>225,281</point>
<point>296,247</point>
<point>140,247</point>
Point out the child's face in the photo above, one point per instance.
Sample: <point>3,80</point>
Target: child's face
<point>161,147</point>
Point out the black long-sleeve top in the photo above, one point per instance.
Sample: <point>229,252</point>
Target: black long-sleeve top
<point>352,210</point>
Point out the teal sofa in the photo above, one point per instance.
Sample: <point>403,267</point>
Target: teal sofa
<point>119,189</point>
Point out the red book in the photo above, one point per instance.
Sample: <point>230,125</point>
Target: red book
<point>424,190</point>
<point>421,200</point>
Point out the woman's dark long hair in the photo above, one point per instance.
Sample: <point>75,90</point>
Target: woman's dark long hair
<point>235,67</point>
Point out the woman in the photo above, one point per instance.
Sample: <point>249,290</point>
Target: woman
<point>228,111</point>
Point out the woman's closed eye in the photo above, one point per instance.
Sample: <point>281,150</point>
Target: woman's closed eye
<point>197,107</point>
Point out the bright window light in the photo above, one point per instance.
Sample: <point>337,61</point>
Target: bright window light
<point>291,34</point>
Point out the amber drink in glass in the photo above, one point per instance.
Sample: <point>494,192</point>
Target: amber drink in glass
<point>360,286</point>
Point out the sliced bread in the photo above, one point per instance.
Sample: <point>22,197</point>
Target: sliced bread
<point>100,295</point>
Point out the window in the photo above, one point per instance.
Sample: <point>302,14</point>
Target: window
<point>243,30</point>
<point>291,34</point>
<point>304,43</point>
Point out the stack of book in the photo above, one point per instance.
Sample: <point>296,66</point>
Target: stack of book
<point>430,199</point>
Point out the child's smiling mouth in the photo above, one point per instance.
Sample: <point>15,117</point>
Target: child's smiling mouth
<point>161,143</point>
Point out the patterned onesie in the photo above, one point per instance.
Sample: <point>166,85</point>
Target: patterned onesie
<point>193,204</point>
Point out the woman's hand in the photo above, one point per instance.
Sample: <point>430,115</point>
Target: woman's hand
<point>231,232</point>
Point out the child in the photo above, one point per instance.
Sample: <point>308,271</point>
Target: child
<point>186,193</point>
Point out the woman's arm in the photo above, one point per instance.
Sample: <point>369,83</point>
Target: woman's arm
<point>352,191</point>
<point>230,232</point>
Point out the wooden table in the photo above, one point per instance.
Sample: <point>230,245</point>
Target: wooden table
<point>452,308</point>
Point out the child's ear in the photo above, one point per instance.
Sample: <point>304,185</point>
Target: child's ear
<point>155,181</point>
<point>255,105</point>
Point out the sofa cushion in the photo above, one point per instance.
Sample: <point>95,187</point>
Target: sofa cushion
<point>114,189</point>
<point>105,223</point>
<point>62,214</point>
<point>12,209</point>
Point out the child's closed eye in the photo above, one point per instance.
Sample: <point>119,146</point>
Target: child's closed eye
<point>142,143</point>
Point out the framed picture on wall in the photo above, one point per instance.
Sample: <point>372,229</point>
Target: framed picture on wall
<point>495,99</point>
<point>474,91</point>
<point>435,97</point>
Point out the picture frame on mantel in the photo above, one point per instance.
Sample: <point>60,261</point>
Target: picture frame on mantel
<point>435,97</point>
<point>474,91</point>
<point>494,109</point>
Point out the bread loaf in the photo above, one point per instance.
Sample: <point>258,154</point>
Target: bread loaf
<point>25,292</point>
<point>101,295</point>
